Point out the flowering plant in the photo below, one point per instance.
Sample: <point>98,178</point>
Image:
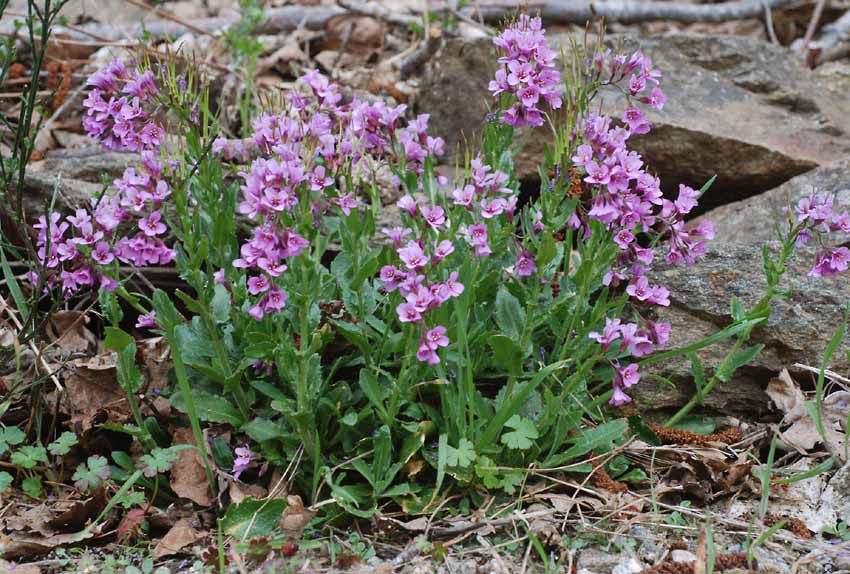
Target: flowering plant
<point>454,331</point>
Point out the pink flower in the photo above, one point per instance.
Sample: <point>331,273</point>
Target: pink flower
<point>275,300</point>
<point>347,202</point>
<point>525,266</point>
<point>408,313</point>
<point>435,217</point>
<point>609,334</point>
<point>436,338</point>
<point>390,277</point>
<point>102,253</point>
<point>454,286</point>
<point>442,250</point>
<point>427,355</point>
<point>258,284</point>
<point>152,225</point>
<point>413,256</point>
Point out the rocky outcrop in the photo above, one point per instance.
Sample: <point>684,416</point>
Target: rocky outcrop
<point>755,219</point>
<point>747,111</point>
<point>800,327</point>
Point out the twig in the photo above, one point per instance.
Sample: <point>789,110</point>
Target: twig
<point>50,373</point>
<point>629,11</point>
<point>377,11</point>
<point>170,17</point>
<point>813,25</point>
<point>422,54</point>
<point>768,22</point>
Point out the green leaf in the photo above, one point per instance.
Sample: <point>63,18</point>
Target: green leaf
<point>506,353</point>
<point>262,430</point>
<point>696,424</point>
<point>117,340</point>
<point>14,288</point>
<point>510,316</point>
<point>251,517</point>
<point>523,435</point>
<point>6,480</point>
<point>698,373</point>
<point>220,304</point>
<point>29,456</point>
<point>63,444</point>
<point>32,486</point>
<point>590,439</point>
<point>10,436</point>
<point>739,359</point>
<point>462,456</point>
<point>512,405</point>
<point>91,474</point>
<point>210,408</point>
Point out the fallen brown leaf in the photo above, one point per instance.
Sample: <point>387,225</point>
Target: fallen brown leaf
<point>295,518</point>
<point>179,537</point>
<point>68,332</point>
<point>93,389</point>
<point>188,475</point>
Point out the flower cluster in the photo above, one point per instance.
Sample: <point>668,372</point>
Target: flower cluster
<point>115,108</point>
<point>303,154</point>
<point>528,74</point>
<point>818,219</point>
<point>635,341</point>
<point>628,201</point>
<point>83,249</point>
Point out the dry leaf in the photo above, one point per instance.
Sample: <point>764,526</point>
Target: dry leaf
<point>801,432</point>
<point>239,491</point>
<point>295,518</point>
<point>93,389</point>
<point>188,475</point>
<point>179,537</point>
<point>68,333</point>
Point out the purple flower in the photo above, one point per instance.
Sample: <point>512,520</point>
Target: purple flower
<point>831,262</point>
<point>244,458</point>
<point>524,266</point>
<point>147,321</point>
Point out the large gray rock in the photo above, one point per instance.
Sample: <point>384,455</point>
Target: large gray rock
<point>798,331</point>
<point>747,111</point>
<point>754,219</point>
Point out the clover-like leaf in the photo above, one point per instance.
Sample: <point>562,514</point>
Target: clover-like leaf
<point>29,456</point>
<point>131,499</point>
<point>461,456</point>
<point>522,436</point>
<point>91,474</point>
<point>6,480</point>
<point>160,460</point>
<point>10,436</point>
<point>63,444</point>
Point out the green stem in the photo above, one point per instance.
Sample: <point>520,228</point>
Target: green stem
<point>763,306</point>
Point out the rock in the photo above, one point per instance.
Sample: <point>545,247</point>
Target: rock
<point>747,111</point>
<point>70,193</point>
<point>683,556</point>
<point>754,219</point>
<point>593,560</point>
<point>798,331</point>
